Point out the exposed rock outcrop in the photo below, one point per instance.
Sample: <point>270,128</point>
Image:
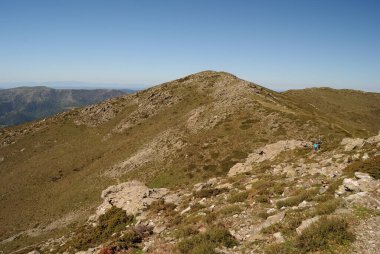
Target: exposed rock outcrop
<point>267,152</point>
<point>133,197</point>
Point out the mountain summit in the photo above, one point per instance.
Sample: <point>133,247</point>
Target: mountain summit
<point>209,125</point>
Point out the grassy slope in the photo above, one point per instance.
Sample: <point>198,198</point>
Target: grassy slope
<point>61,168</point>
<point>357,112</point>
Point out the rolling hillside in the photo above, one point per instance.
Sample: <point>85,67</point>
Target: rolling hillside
<point>170,136</point>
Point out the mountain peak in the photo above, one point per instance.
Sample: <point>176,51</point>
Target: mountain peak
<point>208,74</point>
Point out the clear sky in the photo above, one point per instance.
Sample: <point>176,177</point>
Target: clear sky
<point>279,44</point>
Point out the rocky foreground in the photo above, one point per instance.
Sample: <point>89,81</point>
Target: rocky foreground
<point>283,199</point>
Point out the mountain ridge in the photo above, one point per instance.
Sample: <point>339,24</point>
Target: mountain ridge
<point>169,136</point>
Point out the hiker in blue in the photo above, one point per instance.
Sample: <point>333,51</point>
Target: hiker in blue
<point>316,147</point>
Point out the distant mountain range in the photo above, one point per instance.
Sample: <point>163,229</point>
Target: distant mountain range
<point>72,85</point>
<point>23,104</point>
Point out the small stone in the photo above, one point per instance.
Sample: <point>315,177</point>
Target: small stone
<point>185,210</point>
<point>279,238</point>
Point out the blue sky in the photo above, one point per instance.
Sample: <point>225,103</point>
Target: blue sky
<point>279,44</point>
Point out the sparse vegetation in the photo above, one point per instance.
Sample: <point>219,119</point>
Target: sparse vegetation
<point>327,207</point>
<point>162,206</point>
<point>238,197</point>
<point>370,166</point>
<point>209,192</point>
<point>295,200</point>
<point>324,235</point>
<point>207,242</point>
<point>113,221</point>
<point>230,210</point>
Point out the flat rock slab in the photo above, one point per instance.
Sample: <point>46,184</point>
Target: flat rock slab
<point>133,197</point>
<point>267,152</point>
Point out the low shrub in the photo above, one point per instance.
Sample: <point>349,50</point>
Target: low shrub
<point>162,206</point>
<point>327,207</point>
<point>208,192</point>
<point>238,197</point>
<point>143,230</point>
<point>262,199</point>
<point>230,210</point>
<point>207,242</point>
<point>113,221</point>
<point>324,235</point>
<point>185,231</point>
<point>280,248</point>
<point>295,200</point>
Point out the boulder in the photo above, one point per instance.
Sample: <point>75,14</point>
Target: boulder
<point>351,185</point>
<point>268,152</point>
<point>133,197</point>
<point>172,198</point>
<point>362,183</point>
<point>352,143</point>
<point>306,223</point>
<point>363,199</point>
<point>271,220</point>
<point>374,139</point>
<point>360,175</point>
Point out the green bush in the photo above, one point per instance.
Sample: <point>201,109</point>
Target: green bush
<point>206,242</point>
<point>129,239</point>
<point>230,210</point>
<point>262,199</point>
<point>113,221</point>
<point>280,248</point>
<point>161,206</point>
<point>324,235</point>
<point>185,231</point>
<point>295,200</point>
<point>327,207</point>
<point>238,197</point>
<point>209,192</point>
